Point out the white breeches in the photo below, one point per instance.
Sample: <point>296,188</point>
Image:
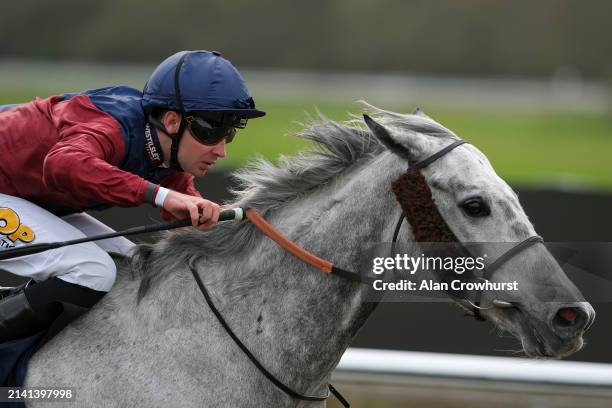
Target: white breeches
<point>87,264</point>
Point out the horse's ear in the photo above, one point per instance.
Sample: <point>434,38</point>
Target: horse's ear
<point>419,112</point>
<point>386,138</point>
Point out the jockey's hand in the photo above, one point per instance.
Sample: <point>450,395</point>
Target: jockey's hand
<point>203,213</point>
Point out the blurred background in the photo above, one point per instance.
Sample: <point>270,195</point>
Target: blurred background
<point>529,83</point>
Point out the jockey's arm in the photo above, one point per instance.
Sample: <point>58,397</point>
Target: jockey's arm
<point>83,163</point>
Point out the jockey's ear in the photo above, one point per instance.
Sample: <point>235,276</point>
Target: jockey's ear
<point>171,121</point>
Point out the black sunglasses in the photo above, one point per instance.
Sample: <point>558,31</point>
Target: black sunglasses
<point>209,133</point>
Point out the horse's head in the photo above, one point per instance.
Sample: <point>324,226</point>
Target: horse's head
<point>547,312</point>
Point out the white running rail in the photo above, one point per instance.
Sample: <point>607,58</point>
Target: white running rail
<point>472,367</point>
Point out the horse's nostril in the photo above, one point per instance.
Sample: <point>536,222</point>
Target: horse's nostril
<point>571,317</point>
<point>568,314</point>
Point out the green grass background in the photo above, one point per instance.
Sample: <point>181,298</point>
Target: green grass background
<point>552,149</point>
<point>562,150</point>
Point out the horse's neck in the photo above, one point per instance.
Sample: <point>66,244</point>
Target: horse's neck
<point>297,320</point>
<point>303,319</point>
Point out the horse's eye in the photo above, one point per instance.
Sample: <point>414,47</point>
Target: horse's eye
<point>475,207</point>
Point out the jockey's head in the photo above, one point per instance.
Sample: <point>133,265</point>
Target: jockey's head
<point>200,93</point>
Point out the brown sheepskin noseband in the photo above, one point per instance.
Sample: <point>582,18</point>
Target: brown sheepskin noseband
<point>415,198</point>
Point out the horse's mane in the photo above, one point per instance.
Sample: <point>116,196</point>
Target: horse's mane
<point>266,186</point>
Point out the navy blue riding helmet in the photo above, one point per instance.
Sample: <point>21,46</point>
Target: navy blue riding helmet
<point>208,92</point>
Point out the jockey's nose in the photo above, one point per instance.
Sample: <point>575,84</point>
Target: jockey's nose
<point>219,149</point>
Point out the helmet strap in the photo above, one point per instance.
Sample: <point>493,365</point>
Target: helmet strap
<point>176,140</point>
<point>176,137</point>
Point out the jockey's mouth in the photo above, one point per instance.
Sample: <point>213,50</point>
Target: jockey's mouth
<point>207,165</point>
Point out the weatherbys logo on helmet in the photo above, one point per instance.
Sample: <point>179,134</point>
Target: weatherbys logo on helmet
<point>150,145</point>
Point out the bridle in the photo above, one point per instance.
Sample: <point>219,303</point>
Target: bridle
<point>411,187</point>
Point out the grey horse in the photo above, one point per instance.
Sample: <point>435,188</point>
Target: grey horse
<point>153,341</point>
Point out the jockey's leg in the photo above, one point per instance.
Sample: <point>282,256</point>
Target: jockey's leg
<point>35,307</point>
<point>78,275</point>
<point>90,226</point>
<point>46,297</point>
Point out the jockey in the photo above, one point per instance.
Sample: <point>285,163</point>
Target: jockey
<point>99,148</point>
